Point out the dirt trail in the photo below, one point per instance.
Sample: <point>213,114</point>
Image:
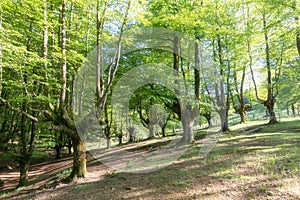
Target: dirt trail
<point>44,174</point>
<point>39,173</point>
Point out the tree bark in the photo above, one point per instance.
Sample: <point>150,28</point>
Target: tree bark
<point>208,118</point>
<point>298,40</point>
<point>59,145</point>
<point>130,129</point>
<point>79,157</point>
<point>271,99</point>
<point>197,71</point>
<point>243,116</point>
<point>241,108</point>
<point>163,124</point>
<point>102,89</point>
<point>26,155</point>
<point>222,100</point>
<point>24,158</point>
<point>120,139</point>
<point>297,20</point>
<point>269,103</point>
<point>293,110</point>
<point>163,131</point>
<point>63,59</point>
<point>188,132</point>
<point>270,107</point>
<point>187,112</point>
<point>63,118</point>
<point>45,46</point>
<point>24,168</point>
<point>108,142</point>
<point>151,130</point>
<point>99,71</point>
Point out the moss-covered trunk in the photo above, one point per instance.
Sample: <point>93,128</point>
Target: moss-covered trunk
<point>79,158</point>
<point>243,116</point>
<point>24,168</point>
<point>270,107</point>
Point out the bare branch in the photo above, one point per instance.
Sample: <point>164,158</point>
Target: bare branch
<point>9,106</point>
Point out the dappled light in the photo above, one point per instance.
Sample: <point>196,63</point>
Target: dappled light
<point>149,99</point>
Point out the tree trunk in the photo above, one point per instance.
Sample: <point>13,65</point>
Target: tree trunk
<point>131,138</point>
<point>79,158</point>
<point>24,159</point>
<point>163,131</point>
<point>224,119</point>
<point>131,133</point>
<point>188,133</point>
<point>270,107</point>
<point>58,151</point>
<point>25,156</point>
<point>298,36</point>
<point>293,110</point>
<point>186,115</point>
<point>208,118</point>
<point>241,108</point>
<point>59,145</point>
<point>45,47</point>
<point>69,147</point>
<point>108,143</point>
<point>243,116</point>
<point>151,129</point>
<point>298,43</point>
<point>270,102</point>
<point>120,139</point>
<point>99,69</point>
<point>63,59</point>
<point>197,71</point>
<point>222,100</point>
<point>24,168</point>
<point>297,20</point>
<point>100,135</point>
<point>163,128</point>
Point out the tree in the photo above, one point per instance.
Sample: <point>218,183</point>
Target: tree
<point>274,49</point>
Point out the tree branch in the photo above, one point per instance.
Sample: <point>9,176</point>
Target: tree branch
<point>9,106</point>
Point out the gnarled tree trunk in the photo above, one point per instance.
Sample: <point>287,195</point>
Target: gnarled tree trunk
<point>270,107</point>
<point>79,157</point>
<point>187,125</point>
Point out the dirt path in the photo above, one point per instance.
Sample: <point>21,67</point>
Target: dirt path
<point>49,175</point>
<point>38,173</point>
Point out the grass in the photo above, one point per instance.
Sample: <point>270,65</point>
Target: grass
<point>260,165</point>
<point>82,187</point>
<point>65,172</point>
<point>273,153</point>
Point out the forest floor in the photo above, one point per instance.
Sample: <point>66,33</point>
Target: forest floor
<point>264,164</point>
